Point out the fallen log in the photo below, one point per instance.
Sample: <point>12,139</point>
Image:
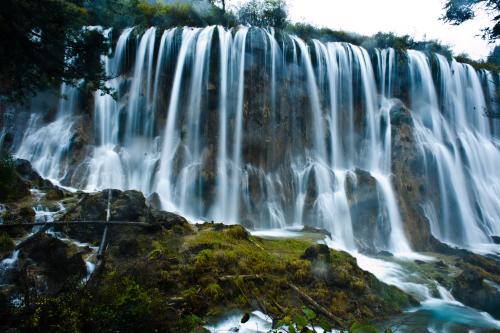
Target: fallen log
<point>33,236</point>
<point>317,307</point>
<point>244,277</point>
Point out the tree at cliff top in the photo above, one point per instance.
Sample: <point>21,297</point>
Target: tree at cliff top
<point>494,56</point>
<point>264,13</point>
<point>44,43</point>
<point>459,11</point>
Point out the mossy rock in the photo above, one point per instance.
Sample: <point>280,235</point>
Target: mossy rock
<point>6,245</point>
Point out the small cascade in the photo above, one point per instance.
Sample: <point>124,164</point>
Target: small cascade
<point>48,152</point>
<point>7,264</point>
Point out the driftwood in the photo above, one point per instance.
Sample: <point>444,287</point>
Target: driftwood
<point>32,237</point>
<point>317,307</point>
<point>244,277</point>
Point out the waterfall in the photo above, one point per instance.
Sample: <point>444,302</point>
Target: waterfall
<point>165,186</point>
<point>221,202</point>
<point>105,165</point>
<point>48,147</point>
<point>254,126</point>
<point>237,81</point>
<point>458,143</point>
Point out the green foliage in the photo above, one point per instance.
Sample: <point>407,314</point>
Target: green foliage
<point>488,65</point>
<point>6,243</point>
<point>11,186</point>
<point>176,279</point>
<point>189,322</point>
<point>300,322</point>
<point>459,11</point>
<point>124,13</point>
<point>264,13</point>
<point>494,56</point>
<point>124,306</point>
<point>379,40</point>
<point>213,291</point>
<point>7,171</point>
<point>43,43</point>
<point>363,328</point>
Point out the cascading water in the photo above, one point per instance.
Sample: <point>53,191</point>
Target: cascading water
<point>48,147</point>
<point>257,127</point>
<point>459,148</point>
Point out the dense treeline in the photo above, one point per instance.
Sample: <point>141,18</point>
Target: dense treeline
<point>46,42</point>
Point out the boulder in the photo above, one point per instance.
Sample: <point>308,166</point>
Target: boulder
<point>56,262</point>
<point>168,220</point>
<point>125,206</point>
<point>154,201</point>
<point>476,288</point>
<point>29,175</point>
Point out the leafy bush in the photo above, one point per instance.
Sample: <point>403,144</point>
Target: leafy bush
<point>124,13</point>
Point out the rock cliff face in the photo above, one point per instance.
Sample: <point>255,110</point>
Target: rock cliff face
<point>409,181</point>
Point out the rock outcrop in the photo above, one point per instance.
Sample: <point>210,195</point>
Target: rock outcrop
<point>409,183</point>
<point>370,227</point>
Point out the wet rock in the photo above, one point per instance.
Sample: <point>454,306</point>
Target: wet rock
<point>80,149</point>
<point>370,227</point>
<point>55,260</point>
<point>32,179</point>
<point>29,175</point>
<point>385,254</point>
<point>440,264</point>
<point>316,231</point>
<point>472,288</point>
<point>128,206</point>
<point>54,194</point>
<point>26,214</point>
<point>495,239</point>
<point>168,220</point>
<point>245,318</point>
<point>154,201</point>
<point>317,252</point>
<point>125,206</point>
<point>479,283</point>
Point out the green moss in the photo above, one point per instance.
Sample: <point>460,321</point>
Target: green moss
<point>177,279</point>
<point>6,243</point>
<point>214,291</point>
<point>189,322</point>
